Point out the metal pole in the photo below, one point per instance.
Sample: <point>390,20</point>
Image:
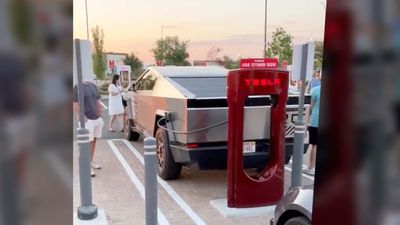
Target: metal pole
<point>150,180</point>
<point>9,191</point>
<point>87,210</point>
<point>300,127</point>
<point>265,29</point>
<point>87,21</point>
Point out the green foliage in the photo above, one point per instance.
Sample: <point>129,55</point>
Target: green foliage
<point>319,50</point>
<point>136,65</point>
<point>229,63</point>
<point>171,51</point>
<point>213,53</point>
<point>21,21</point>
<point>99,64</point>
<point>281,46</point>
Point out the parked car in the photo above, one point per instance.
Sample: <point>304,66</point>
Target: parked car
<point>186,110</point>
<point>295,208</point>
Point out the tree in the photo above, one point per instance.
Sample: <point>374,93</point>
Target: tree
<point>229,63</point>
<point>319,49</point>
<point>281,46</point>
<point>213,53</point>
<point>21,21</point>
<point>99,65</point>
<point>135,63</point>
<point>171,51</point>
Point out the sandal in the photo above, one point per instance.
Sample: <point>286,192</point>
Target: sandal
<point>111,130</point>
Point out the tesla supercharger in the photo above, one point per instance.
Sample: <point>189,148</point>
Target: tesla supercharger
<point>267,186</point>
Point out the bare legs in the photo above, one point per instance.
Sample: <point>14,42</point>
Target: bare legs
<point>313,154</point>
<point>92,146</point>
<point>110,123</point>
<point>112,119</point>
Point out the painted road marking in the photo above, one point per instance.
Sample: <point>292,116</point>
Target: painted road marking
<point>135,180</point>
<point>175,196</point>
<point>60,168</point>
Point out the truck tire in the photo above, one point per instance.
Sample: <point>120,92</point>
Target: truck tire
<point>301,220</point>
<point>168,169</point>
<point>130,135</point>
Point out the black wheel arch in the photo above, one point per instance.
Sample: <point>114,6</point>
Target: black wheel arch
<point>162,122</point>
<point>287,215</point>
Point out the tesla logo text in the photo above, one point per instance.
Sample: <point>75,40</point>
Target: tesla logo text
<point>263,82</point>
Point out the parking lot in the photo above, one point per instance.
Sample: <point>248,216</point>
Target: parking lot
<point>118,188</point>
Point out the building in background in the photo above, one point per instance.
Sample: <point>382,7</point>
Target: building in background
<point>208,63</point>
<point>114,59</point>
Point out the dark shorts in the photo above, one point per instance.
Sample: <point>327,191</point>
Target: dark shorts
<point>313,135</point>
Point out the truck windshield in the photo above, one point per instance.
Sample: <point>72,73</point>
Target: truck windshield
<point>203,87</point>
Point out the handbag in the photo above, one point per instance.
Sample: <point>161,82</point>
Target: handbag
<point>124,102</point>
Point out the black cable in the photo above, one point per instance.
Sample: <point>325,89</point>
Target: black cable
<point>189,132</point>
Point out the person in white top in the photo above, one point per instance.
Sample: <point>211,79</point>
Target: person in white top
<point>115,106</point>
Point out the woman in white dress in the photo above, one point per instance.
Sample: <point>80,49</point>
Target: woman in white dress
<point>115,106</point>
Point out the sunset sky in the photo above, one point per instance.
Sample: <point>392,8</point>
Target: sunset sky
<point>236,26</point>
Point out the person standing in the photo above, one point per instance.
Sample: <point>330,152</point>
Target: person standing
<point>92,111</point>
<point>115,105</point>
<point>313,128</point>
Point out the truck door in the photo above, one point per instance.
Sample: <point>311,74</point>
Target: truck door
<point>143,108</point>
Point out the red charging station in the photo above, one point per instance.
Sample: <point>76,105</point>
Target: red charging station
<point>265,188</point>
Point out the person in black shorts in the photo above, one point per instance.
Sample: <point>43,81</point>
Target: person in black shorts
<point>313,128</point>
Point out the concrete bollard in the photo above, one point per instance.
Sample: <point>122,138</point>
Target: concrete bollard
<point>150,183</point>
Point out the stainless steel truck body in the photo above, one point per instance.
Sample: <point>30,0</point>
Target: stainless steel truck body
<point>185,109</point>
<point>295,208</point>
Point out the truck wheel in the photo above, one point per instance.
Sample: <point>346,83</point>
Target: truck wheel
<point>301,220</point>
<point>167,168</point>
<point>130,135</point>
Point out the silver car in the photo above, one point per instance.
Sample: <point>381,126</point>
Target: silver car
<point>295,208</point>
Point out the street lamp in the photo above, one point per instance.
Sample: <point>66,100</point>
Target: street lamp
<point>323,5</point>
<point>87,21</point>
<point>265,29</point>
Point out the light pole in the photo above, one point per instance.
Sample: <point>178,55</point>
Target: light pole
<point>323,5</point>
<point>162,32</point>
<point>87,21</point>
<point>265,29</point>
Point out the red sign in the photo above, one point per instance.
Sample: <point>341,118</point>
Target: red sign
<point>159,62</point>
<point>111,63</point>
<point>284,64</point>
<point>263,82</point>
<point>271,63</point>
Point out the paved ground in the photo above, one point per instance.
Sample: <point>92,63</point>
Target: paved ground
<point>118,187</point>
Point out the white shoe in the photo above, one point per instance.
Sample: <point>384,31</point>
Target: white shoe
<point>92,173</point>
<point>309,171</point>
<point>95,166</point>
